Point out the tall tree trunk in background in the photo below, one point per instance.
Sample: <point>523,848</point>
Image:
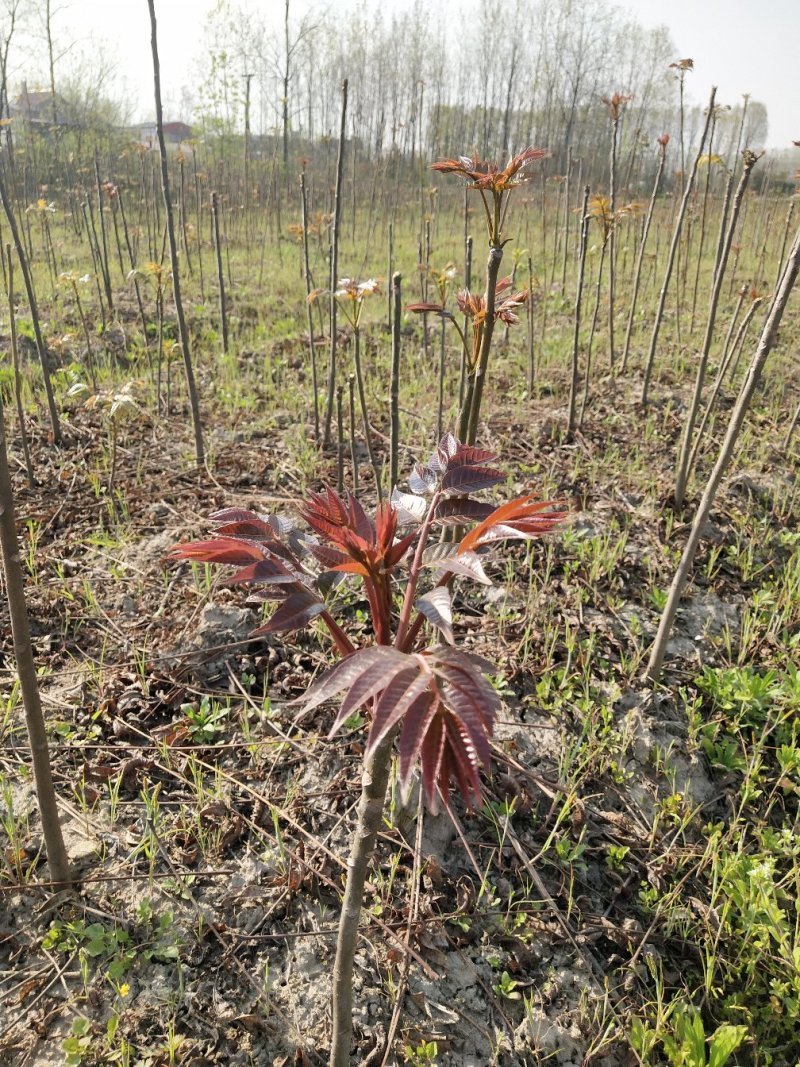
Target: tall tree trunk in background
<point>183,329</point>
<point>334,265</point>
<point>286,73</point>
<point>676,236</point>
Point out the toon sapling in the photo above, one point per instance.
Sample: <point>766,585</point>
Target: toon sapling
<point>424,695</point>
<point>494,185</point>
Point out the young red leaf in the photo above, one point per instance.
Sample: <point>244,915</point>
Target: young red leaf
<point>365,687</point>
<point>411,509</point>
<point>431,752</point>
<point>422,479</point>
<point>345,673</point>
<point>519,518</point>
<point>417,720</point>
<point>328,557</point>
<point>459,762</point>
<point>466,563</point>
<point>293,614</point>
<point>460,511</point>
<point>437,608</point>
<point>469,455</point>
<point>470,479</point>
<point>399,695</point>
<point>220,550</point>
<point>399,549</point>
<point>263,570</point>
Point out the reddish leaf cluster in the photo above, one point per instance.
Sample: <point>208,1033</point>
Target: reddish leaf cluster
<point>435,698</point>
<point>441,702</point>
<point>482,174</point>
<point>505,310</point>
<point>355,544</point>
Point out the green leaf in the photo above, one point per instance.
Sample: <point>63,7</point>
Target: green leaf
<point>726,1040</point>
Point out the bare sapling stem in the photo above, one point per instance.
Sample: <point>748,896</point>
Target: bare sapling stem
<point>749,386</point>
<point>103,242</point>
<point>362,399</point>
<point>351,384</point>
<point>198,208</point>
<point>117,238</point>
<point>723,221</point>
<point>312,351</point>
<point>223,313</point>
<point>389,271</point>
<point>592,329</point>
<point>12,326</point>
<point>182,210</point>
<point>394,387</point>
<point>86,333</point>
<point>682,475</point>
<point>725,362</point>
<point>462,376</point>
<point>784,240</point>
<point>132,261</point>
<point>703,216</point>
<point>576,330</point>
<point>530,319</point>
<point>57,859</point>
<point>339,439</point>
<point>183,329</point>
<point>637,274</point>
<point>374,783</point>
<point>440,398</point>
<point>470,412</point>
<point>615,106</point>
<point>334,267</point>
<point>566,221</point>
<point>41,349</point>
<point>676,236</point>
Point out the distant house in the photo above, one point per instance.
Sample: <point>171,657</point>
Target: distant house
<point>37,108</point>
<point>175,133</point>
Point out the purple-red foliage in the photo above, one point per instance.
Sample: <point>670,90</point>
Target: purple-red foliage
<point>435,697</point>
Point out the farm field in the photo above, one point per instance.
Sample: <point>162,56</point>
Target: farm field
<point>618,883</point>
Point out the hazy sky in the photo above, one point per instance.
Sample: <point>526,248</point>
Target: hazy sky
<point>739,45</point>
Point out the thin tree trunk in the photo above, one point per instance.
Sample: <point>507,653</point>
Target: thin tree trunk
<point>223,313</point>
<point>637,275</point>
<point>470,412</point>
<point>103,244</point>
<point>612,248</point>
<point>728,354</point>
<point>676,236</point>
<point>684,570</point>
<point>34,309</point>
<point>57,859</point>
<point>592,328</point>
<point>183,329</point>
<point>309,313</point>
<point>682,476</point>
<point>374,781</point>
<point>362,399</point>
<point>573,388</point>
<point>334,266</point>
<point>12,326</point>
<point>394,399</point>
